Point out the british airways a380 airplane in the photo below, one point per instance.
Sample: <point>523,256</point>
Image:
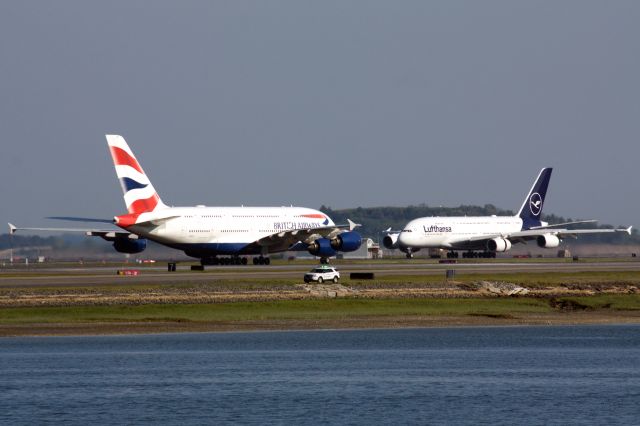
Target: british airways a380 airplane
<point>208,232</point>
<point>483,236</point>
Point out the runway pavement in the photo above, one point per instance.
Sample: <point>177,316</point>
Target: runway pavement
<point>66,276</point>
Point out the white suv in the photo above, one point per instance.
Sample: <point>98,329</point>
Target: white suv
<point>321,274</point>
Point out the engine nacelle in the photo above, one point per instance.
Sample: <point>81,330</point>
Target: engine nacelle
<point>548,241</point>
<point>321,248</point>
<point>498,244</point>
<point>347,241</point>
<point>126,245</point>
<point>390,241</point>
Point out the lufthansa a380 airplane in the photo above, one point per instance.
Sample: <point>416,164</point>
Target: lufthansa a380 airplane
<point>207,232</point>
<point>483,236</point>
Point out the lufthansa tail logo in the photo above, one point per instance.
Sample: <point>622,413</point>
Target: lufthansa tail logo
<point>535,204</point>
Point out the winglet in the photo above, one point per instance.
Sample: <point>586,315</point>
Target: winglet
<point>12,229</point>
<point>352,225</point>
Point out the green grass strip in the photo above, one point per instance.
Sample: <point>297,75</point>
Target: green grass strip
<point>305,309</point>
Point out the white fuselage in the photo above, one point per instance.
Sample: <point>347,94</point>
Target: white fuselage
<point>224,227</point>
<point>455,232</point>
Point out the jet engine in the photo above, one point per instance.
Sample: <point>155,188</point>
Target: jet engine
<point>548,241</point>
<point>126,245</point>
<point>347,241</point>
<point>321,248</point>
<point>390,241</point>
<point>498,244</point>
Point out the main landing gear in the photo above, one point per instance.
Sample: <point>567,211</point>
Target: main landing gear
<point>261,260</point>
<point>233,260</point>
<point>479,254</point>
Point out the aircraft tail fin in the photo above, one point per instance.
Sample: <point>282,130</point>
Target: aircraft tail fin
<point>531,210</point>
<point>139,194</point>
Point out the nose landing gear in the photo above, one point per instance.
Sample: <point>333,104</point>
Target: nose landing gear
<point>409,253</point>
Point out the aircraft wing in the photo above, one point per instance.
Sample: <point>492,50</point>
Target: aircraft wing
<point>532,234</point>
<point>562,233</point>
<point>285,239</point>
<point>555,225</point>
<point>107,234</point>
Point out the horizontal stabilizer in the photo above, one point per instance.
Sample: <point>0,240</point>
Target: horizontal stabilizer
<point>80,219</point>
<point>13,229</point>
<point>391,231</point>
<point>555,225</point>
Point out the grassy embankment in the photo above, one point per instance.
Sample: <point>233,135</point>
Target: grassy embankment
<point>335,312</point>
<point>309,310</point>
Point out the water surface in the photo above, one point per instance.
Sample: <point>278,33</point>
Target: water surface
<point>484,375</point>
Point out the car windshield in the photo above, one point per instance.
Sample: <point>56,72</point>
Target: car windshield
<point>321,270</point>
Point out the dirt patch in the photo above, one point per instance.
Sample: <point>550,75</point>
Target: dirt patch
<point>568,305</point>
<point>501,288</point>
<point>328,290</point>
<point>497,316</point>
<point>222,293</point>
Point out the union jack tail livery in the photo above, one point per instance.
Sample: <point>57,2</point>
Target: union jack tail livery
<point>139,194</point>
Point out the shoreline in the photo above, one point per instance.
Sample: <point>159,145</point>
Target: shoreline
<point>356,323</point>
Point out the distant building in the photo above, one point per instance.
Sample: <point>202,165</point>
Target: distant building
<point>368,250</point>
